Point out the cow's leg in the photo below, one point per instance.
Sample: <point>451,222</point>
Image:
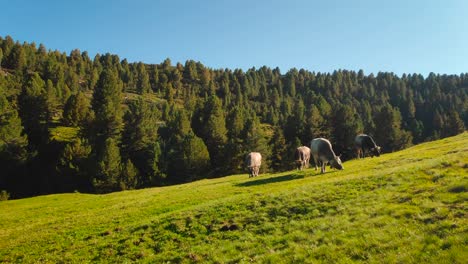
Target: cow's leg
<point>315,162</point>
<point>324,164</point>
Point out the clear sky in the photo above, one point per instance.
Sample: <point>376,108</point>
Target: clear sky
<point>402,36</point>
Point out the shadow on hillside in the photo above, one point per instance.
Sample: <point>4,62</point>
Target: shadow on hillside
<point>283,178</point>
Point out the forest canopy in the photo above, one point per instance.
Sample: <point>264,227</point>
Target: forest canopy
<point>69,122</point>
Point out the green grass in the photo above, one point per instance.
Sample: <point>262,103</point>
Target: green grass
<point>404,207</point>
<point>63,133</point>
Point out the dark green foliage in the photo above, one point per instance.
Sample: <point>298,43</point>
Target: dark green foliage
<point>186,156</point>
<point>12,140</point>
<point>34,111</point>
<point>106,104</point>
<point>210,124</point>
<point>108,169</point>
<point>346,125</point>
<point>74,165</point>
<point>232,112</point>
<point>16,59</point>
<point>389,133</point>
<point>280,153</point>
<point>454,124</point>
<point>190,159</point>
<point>129,175</point>
<point>13,143</point>
<point>1,57</point>
<point>142,79</point>
<point>140,140</point>
<point>76,110</point>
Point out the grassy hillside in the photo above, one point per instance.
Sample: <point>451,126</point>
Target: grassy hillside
<point>407,207</point>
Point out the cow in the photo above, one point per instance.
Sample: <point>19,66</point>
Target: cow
<point>322,152</point>
<point>365,144</point>
<point>302,157</point>
<point>253,160</point>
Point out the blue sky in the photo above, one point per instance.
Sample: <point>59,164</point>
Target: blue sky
<point>399,36</point>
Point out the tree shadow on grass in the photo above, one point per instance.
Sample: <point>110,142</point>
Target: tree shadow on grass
<point>288,177</point>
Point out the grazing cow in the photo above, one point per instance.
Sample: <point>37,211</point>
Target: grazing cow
<point>365,144</point>
<point>322,152</point>
<point>302,156</point>
<point>253,160</point>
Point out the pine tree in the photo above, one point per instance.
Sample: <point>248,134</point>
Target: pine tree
<point>279,153</point>
<point>107,176</point>
<point>142,85</point>
<point>140,141</point>
<point>454,124</point>
<point>106,104</point>
<point>347,124</point>
<point>213,131</point>
<point>17,58</point>
<point>129,174</point>
<point>74,164</point>
<point>187,156</point>
<point>34,111</point>
<point>1,57</point>
<point>195,157</point>
<point>389,134</point>
<point>76,110</point>
<point>12,140</point>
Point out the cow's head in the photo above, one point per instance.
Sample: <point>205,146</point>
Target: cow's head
<point>375,151</point>
<point>299,164</point>
<point>250,169</point>
<point>336,163</point>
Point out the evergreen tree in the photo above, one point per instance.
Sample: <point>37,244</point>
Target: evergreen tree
<point>191,161</point>
<point>143,84</point>
<point>12,140</point>
<point>389,133</point>
<point>76,110</point>
<point>34,111</point>
<point>187,156</point>
<point>129,174</point>
<point>454,124</point>
<point>140,141</point>
<point>74,166</point>
<point>16,59</point>
<point>107,176</point>
<point>347,124</point>
<point>213,131</point>
<point>279,153</point>
<point>13,153</point>
<point>106,104</point>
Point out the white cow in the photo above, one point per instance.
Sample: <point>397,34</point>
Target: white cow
<point>253,160</point>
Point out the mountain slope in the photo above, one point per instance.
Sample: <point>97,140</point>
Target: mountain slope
<point>408,206</point>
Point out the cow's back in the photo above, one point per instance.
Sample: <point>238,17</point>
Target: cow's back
<point>302,153</point>
<point>254,159</point>
<point>321,147</point>
<point>364,141</point>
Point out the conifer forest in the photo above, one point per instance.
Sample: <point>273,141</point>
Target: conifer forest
<point>69,122</point>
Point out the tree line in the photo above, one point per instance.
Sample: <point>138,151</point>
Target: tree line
<point>72,123</point>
